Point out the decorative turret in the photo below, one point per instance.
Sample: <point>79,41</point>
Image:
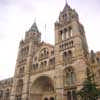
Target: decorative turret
<point>67,15</point>
<point>27,49</point>
<point>33,33</point>
<point>70,37</point>
<point>34,28</point>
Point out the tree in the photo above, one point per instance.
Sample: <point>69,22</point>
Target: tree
<point>89,90</point>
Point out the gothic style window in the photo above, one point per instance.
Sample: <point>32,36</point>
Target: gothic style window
<point>36,65</point>
<point>44,53</point>
<point>70,53</point>
<point>63,35</point>
<point>60,36</point>
<point>64,55</point>
<point>67,57</point>
<point>69,77</point>
<point>71,44</point>
<point>45,63</point>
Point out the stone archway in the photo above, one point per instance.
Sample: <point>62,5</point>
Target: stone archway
<point>42,88</point>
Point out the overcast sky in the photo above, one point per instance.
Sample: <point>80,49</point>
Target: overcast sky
<point>16,17</point>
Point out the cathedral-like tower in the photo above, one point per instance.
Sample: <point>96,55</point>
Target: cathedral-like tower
<point>70,35</point>
<point>27,49</point>
<point>71,52</point>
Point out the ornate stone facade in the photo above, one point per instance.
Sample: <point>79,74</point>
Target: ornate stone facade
<point>52,72</point>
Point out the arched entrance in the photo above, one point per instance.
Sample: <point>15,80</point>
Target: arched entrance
<point>42,89</point>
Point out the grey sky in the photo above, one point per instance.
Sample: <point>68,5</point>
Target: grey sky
<point>16,17</point>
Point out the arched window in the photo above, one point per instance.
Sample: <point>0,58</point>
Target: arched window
<point>71,44</point>
<point>70,77</point>
<point>63,35</point>
<point>60,36</point>
<point>67,57</point>
<point>44,53</point>
<point>36,65</point>
<point>45,63</point>
<point>69,53</point>
<point>64,55</point>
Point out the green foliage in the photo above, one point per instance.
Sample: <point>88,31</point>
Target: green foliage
<point>89,90</point>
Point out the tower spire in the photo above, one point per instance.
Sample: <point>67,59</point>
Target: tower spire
<point>35,20</point>
<point>66,2</point>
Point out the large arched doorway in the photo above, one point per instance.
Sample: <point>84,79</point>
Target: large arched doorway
<point>42,89</point>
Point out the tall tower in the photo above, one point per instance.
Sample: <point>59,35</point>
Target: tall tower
<point>70,37</point>
<point>71,52</point>
<point>27,49</point>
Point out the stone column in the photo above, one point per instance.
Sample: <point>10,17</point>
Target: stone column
<point>25,95</point>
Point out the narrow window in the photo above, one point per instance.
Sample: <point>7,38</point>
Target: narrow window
<point>70,32</point>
